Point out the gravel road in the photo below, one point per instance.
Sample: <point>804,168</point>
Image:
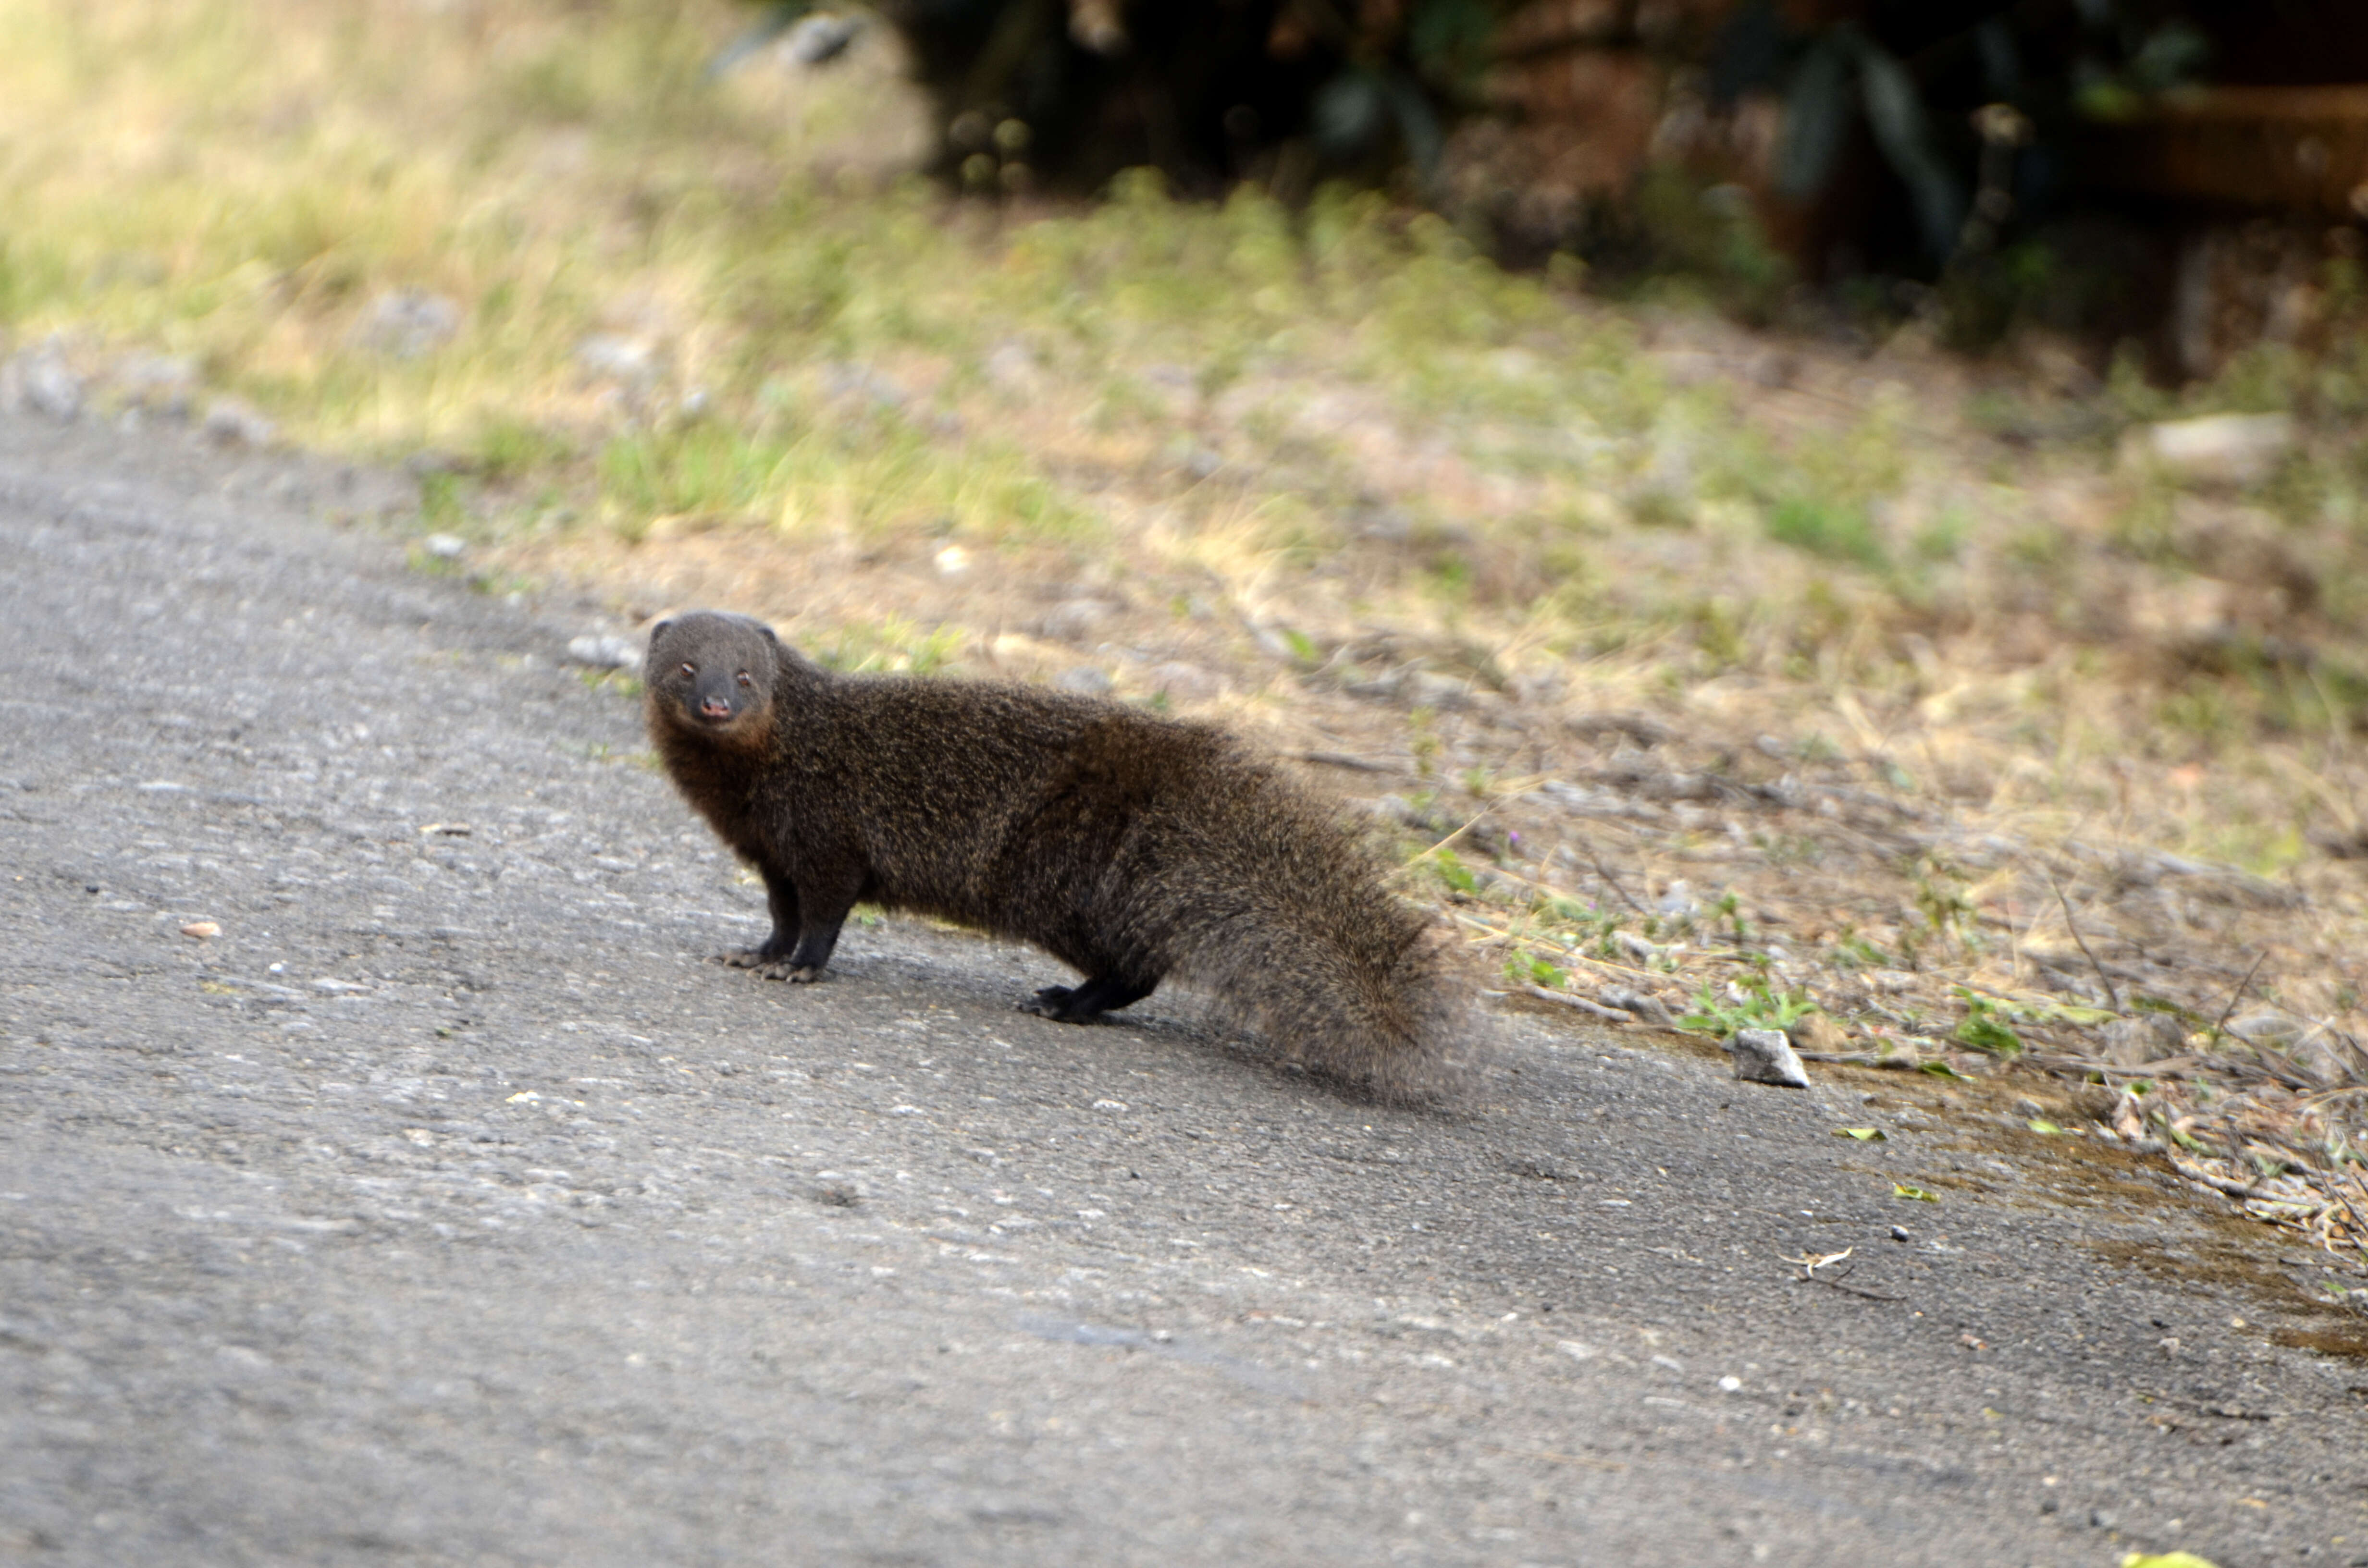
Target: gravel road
<point>448,1207</point>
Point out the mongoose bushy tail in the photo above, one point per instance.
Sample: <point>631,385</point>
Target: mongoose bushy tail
<point>1132,847</point>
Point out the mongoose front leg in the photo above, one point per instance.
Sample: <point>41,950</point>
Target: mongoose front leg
<point>1085,1003</point>
<point>822,910</point>
<point>782,899</point>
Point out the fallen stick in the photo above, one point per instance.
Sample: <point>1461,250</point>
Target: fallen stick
<point>1609,1015</point>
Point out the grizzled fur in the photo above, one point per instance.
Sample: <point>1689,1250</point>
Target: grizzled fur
<point>1131,847</point>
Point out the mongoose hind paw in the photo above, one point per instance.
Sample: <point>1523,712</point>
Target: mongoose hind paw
<point>748,958</point>
<point>1059,1003</point>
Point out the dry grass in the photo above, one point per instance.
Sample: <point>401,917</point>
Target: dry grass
<point>1733,673</point>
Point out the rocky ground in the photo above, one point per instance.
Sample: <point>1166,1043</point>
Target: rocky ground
<point>386,1175</point>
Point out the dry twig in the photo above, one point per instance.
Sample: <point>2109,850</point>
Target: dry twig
<point>1609,1015</point>
<point>2234,996</point>
<point>2113,996</point>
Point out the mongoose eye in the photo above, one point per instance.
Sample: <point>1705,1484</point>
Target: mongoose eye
<point>690,669</point>
<point>745,681</point>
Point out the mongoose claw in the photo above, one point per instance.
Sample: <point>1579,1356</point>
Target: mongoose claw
<point>795,973</point>
<point>748,958</point>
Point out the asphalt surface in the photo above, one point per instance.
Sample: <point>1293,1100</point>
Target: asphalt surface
<point>449,1206</point>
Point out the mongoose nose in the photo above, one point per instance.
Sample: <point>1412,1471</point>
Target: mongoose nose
<point>715,707</point>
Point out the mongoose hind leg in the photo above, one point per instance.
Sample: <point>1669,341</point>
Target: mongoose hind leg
<point>1085,1003</point>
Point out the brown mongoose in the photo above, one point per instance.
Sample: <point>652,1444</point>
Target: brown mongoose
<point>1130,846</point>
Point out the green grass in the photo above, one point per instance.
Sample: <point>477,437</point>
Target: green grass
<point>1835,530</point>
<point>894,645</point>
<point>239,183</point>
<point>687,307</point>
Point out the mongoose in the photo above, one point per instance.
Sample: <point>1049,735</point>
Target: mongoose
<point>1128,846</point>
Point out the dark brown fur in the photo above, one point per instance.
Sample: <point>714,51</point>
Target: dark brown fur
<point>1131,847</point>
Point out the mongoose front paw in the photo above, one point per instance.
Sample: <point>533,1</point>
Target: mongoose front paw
<point>770,966</point>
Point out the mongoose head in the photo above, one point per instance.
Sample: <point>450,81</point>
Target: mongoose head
<point>712,673</point>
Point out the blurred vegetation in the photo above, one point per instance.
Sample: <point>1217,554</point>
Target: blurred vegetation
<point>1321,461</point>
<point>1029,95</point>
<point>679,303</point>
<point>1971,108</point>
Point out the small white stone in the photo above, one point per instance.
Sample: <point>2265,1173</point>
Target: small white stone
<point>1765,1056</point>
<point>817,40</point>
<point>53,389</point>
<point>2227,449</point>
<point>630,359</point>
<point>604,653</point>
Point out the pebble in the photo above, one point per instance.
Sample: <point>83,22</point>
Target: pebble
<point>445,547</point>
<point>2222,449</point>
<point>1636,947</point>
<point>408,323</point>
<point>1765,1056</point>
<point>2147,1036</point>
<point>1012,369</point>
<point>1429,688</point>
<point>860,383</point>
<point>158,381</point>
<point>604,653</point>
<point>1538,689</point>
<point>1378,521</point>
<point>202,930</point>
<point>1185,683</point>
<point>1073,621</point>
<point>633,359</point>
<point>951,562</point>
<point>41,380</point>
<point>817,40</point>
<point>1084,680</point>
<point>232,421</point>
<point>2267,1028</point>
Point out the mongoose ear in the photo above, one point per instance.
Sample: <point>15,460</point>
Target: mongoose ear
<point>767,629</point>
<point>659,629</point>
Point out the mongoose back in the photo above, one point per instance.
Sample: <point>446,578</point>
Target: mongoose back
<point>1131,847</point>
